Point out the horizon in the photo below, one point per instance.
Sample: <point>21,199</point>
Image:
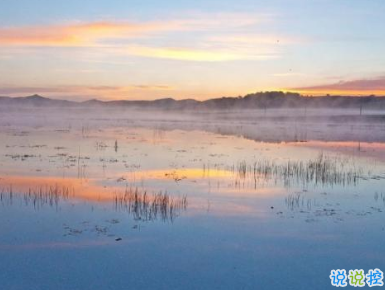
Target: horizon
<point>184,99</point>
<point>199,50</point>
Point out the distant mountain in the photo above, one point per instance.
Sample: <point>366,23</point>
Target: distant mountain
<point>35,101</point>
<point>261,100</point>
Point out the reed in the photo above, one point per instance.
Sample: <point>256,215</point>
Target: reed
<point>38,197</point>
<point>320,171</point>
<point>148,207</point>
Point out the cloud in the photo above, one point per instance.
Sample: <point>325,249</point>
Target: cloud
<point>152,87</point>
<point>187,54</point>
<point>92,33</point>
<point>354,87</point>
<point>199,32</point>
<point>75,35</point>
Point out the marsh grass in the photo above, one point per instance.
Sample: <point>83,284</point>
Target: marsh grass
<point>38,197</point>
<point>323,171</point>
<point>148,207</point>
<point>297,201</point>
<point>141,205</point>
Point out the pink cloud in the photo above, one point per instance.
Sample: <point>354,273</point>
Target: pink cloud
<point>356,87</point>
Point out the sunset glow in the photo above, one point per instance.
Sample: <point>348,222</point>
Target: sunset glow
<point>275,46</point>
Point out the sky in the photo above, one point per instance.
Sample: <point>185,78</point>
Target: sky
<point>125,49</point>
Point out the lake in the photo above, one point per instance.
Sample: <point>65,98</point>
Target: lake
<point>210,200</point>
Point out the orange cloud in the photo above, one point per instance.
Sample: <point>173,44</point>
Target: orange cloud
<point>111,37</point>
<point>354,87</point>
<point>87,34</point>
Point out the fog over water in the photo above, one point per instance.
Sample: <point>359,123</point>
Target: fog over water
<point>214,199</point>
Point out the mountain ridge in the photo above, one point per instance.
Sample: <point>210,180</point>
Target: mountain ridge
<point>260,100</point>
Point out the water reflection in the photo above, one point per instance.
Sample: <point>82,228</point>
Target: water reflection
<point>322,171</point>
<point>141,205</point>
<point>297,201</point>
<point>37,197</point>
<point>146,207</point>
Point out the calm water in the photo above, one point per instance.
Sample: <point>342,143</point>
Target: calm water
<point>172,203</point>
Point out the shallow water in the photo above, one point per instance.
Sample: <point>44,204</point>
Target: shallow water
<point>123,203</point>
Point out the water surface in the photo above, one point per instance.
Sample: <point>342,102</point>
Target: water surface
<point>186,202</point>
